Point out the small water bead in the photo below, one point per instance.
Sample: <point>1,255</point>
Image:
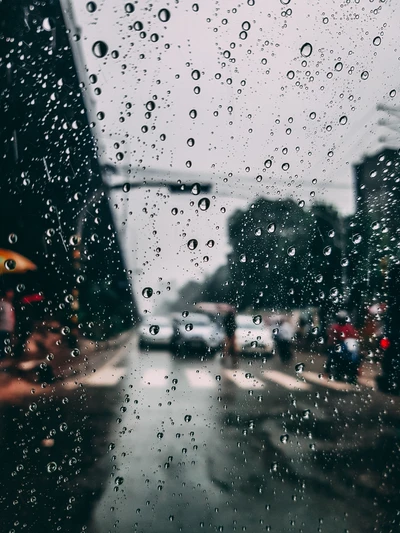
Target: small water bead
<point>188,418</point>
<point>126,187</point>
<point>164,15</point>
<point>10,264</point>
<point>138,26</point>
<point>257,319</point>
<point>154,37</point>
<point>377,41</point>
<point>365,75</point>
<point>299,368</point>
<point>195,7</point>
<point>193,113</point>
<point>271,227</point>
<point>12,238</point>
<point>51,467</point>
<point>327,250</point>
<point>243,35</point>
<point>196,74</point>
<point>192,244</point>
<point>154,329</point>
<point>204,204</point>
<point>319,278</point>
<point>339,66</point>
<point>284,438</point>
<point>344,262</point>
<point>306,414</point>
<point>392,93</point>
<point>285,166</point>
<point>290,74</point>
<point>343,120</point>
<point>190,142</point>
<point>196,189</point>
<point>75,352</point>
<point>99,49</point>
<point>210,243</point>
<point>242,258</point>
<point>185,314</point>
<point>129,7</point>
<point>174,211</point>
<point>91,7</point>
<point>258,232</point>
<point>268,163</point>
<point>147,292</point>
<point>312,115</point>
<point>160,435</point>
<point>357,238</point>
<point>306,50</point>
<point>189,327</point>
<point>291,251</point>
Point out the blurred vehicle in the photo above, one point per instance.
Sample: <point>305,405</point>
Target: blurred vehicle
<point>155,331</point>
<point>196,332</point>
<point>251,337</point>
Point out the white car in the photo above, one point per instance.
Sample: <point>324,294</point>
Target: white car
<point>251,337</point>
<point>155,331</point>
<point>196,332</point>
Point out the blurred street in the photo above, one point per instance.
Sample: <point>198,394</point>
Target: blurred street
<point>262,448</point>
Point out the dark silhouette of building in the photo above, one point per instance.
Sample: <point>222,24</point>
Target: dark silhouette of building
<point>52,197</point>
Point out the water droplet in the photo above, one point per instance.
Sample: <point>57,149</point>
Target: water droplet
<point>218,378</point>
<point>312,115</point>
<point>75,352</point>
<point>129,7</point>
<point>193,113</point>
<point>284,438</point>
<point>48,24</point>
<point>154,37</point>
<point>339,66</point>
<point>243,35</point>
<point>99,49</point>
<point>357,238</point>
<point>306,414</point>
<point>377,41</point>
<point>190,142</point>
<point>164,15</point>
<point>188,418</point>
<point>160,435</point>
<point>154,329</point>
<point>10,264</point>
<point>258,232</point>
<point>63,426</point>
<point>138,26</point>
<point>189,326</point>
<point>271,227</point>
<point>268,163</point>
<point>192,244</point>
<point>242,258</point>
<point>210,243</point>
<point>12,238</point>
<point>174,211</point>
<point>327,250</point>
<point>299,367</point>
<point>343,120</point>
<point>51,467</point>
<point>196,189</point>
<point>392,93</point>
<point>290,74</point>
<point>344,262</point>
<point>306,50</point>
<point>126,187</point>
<point>185,314</point>
<point>195,7</point>
<point>365,75</point>
<point>204,204</point>
<point>147,292</point>
<point>196,74</point>
<point>291,251</point>
<point>285,166</point>
<point>91,7</point>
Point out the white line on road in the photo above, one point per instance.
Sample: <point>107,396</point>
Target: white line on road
<point>155,377</point>
<point>200,378</point>
<point>243,380</point>
<point>285,380</point>
<point>324,381</point>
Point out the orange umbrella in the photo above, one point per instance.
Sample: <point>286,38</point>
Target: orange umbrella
<point>13,263</point>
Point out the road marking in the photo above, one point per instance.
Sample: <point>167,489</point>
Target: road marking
<point>155,377</point>
<point>243,380</point>
<point>200,378</point>
<point>285,380</point>
<point>324,381</point>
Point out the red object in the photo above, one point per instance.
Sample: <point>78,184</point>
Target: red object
<point>337,333</point>
<point>384,343</point>
<point>30,298</point>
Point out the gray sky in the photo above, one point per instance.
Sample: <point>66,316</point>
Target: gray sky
<point>248,111</point>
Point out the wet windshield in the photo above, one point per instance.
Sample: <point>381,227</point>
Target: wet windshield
<point>199,266</point>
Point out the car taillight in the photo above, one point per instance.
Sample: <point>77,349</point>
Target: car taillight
<point>384,343</point>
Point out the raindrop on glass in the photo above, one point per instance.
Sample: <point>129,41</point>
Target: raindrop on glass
<point>299,367</point>
<point>196,187</point>
<point>377,41</point>
<point>192,244</point>
<point>154,329</point>
<point>357,238</point>
<point>327,250</point>
<point>343,120</point>
<point>291,251</point>
<point>12,238</point>
<point>91,7</point>
<point>188,418</point>
<point>306,50</point>
<point>271,227</point>
<point>257,319</point>
<point>196,74</point>
<point>99,49</point>
<point>204,204</point>
<point>147,292</point>
<point>164,15</point>
<point>284,438</point>
<point>10,264</point>
<point>365,75</point>
<point>129,7</point>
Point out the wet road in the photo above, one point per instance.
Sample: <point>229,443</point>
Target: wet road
<point>198,447</point>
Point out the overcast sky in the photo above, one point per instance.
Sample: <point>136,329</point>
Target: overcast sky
<point>311,115</point>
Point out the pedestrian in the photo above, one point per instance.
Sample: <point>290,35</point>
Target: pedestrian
<point>229,345</point>
<point>7,322</point>
<point>338,332</point>
<point>284,338</point>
